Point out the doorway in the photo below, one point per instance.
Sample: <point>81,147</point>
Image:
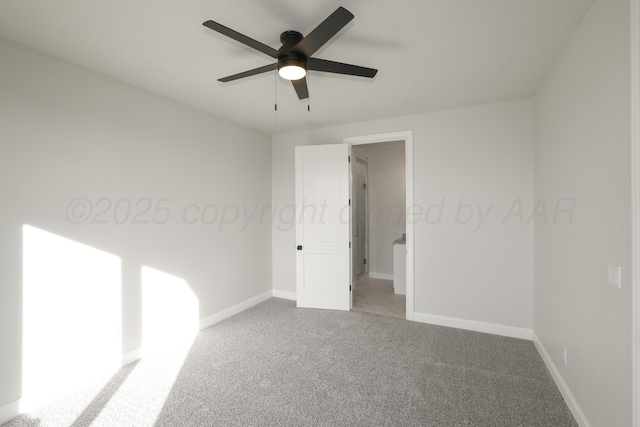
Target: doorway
<point>379,224</point>
<point>378,280</point>
<point>324,250</point>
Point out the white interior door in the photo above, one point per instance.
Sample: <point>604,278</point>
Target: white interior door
<point>322,227</point>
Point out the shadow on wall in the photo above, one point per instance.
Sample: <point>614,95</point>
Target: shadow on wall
<point>72,322</point>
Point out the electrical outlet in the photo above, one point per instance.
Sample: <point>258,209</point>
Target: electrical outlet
<point>615,275</point>
<point>565,356</point>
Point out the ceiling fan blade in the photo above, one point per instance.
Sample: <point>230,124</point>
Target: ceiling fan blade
<point>249,73</point>
<point>340,68</point>
<point>323,32</point>
<point>301,88</point>
<point>242,38</point>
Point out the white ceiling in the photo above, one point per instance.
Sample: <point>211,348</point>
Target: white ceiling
<point>431,54</point>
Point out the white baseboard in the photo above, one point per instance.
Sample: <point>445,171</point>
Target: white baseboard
<point>384,276</point>
<point>131,356</point>
<point>9,411</point>
<point>12,410</point>
<point>231,311</point>
<point>472,325</point>
<point>581,419</point>
<point>285,295</point>
<point>136,354</point>
<point>361,279</point>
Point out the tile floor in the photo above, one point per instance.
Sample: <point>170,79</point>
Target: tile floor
<point>376,296</point>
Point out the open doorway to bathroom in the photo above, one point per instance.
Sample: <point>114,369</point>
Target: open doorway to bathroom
<point>379,228</point>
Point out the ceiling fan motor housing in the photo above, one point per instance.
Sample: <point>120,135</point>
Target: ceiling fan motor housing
<point>289,39</point>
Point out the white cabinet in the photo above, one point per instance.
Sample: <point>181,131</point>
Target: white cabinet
<point>400,267</point>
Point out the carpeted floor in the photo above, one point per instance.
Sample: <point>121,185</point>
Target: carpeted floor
<point>276,365</point>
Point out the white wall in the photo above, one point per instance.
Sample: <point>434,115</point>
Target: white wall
<point>479,158</point>
<point>387,202</point>
<point>582,151</point>
<point>66,132</point>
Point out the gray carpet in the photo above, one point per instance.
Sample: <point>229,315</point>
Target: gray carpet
<point>276,365</point>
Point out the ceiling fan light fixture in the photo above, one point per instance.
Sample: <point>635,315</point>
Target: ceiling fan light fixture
<point>296,53</point>
<point>292,69</point>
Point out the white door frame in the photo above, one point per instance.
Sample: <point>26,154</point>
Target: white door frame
<point>635,197</point>
<point>407,137</point>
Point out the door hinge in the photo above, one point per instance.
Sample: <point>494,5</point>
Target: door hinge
<point>365,260</point>
<point>349,159</point>
<point>349,244</point>
<point>349,202</point>
<point>365,185</point>
<point>349,288</point>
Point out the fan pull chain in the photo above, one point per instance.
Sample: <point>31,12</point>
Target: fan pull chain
<point>276,90</point>
<point>308,102</point>
<point>309,96</point>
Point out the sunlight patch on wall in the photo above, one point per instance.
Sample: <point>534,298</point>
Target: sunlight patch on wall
<point>170,320</point>
<point>170,313</point>
<point>71,315</point>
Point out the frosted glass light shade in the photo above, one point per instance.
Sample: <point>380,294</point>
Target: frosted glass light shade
<point>292,72</point>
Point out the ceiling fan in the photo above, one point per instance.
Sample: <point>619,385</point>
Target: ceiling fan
<point>294,56</point>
